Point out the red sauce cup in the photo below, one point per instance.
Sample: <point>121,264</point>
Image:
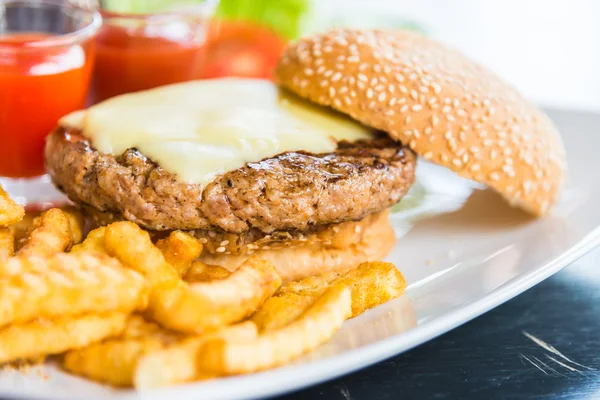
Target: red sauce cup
<point>46,59</point>
<point>143,51</point>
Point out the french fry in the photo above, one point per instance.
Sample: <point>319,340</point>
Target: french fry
<point>276,347</point>
<point>201,272</point>
<point>52,234</point>
<point>10,211</point>
<point>76,224</point>
<point>372,283</point>
<point>179,250</point>
<point>178,363</point>
<point>133,247</point>
<point>195,308</point>
<point>279,311</point>
<point>67,284</point>
<point>7,243</point>
<point>45,337</point>
<point>202,307</point>
<point>138,327</point>
<point>113,361</point>
<point>94,242</point>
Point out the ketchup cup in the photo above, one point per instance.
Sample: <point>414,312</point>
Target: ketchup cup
<point>46,59</point>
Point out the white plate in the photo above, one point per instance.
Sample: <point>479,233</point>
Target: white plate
<point>458,265</point>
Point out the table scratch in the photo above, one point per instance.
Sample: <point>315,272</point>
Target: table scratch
<point>533,363</point>
<point>554,351</point>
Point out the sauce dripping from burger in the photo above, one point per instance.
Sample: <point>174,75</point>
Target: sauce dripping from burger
<point>200,129</point>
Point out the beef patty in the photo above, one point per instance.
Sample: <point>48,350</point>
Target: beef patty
<point>292,191</point>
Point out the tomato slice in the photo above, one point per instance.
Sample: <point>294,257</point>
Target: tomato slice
<point>243,49</point>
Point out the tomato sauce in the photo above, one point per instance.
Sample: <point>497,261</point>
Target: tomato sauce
<point>133,59</point>
<point>38,85</point>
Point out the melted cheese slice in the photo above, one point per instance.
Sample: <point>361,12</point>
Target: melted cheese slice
<point>200,129</point>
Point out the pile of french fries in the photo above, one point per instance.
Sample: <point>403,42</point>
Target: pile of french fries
<point>117,308</point>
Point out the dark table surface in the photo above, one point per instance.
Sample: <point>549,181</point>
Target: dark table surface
<point>544,343</point>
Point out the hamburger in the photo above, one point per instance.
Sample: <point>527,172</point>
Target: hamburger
<point>303,172</point>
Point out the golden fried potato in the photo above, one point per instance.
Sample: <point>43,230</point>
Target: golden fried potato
<point>200,272</point>
<point>94,242</point>
<point>10,211</point>
<point>178,363</point>
<point>179,250</point>
<point>7,243</point>
<point>133,247</point>
<point>372,283</point>
<point>114,360</point>
<point>76,224</point>
<point>52,234</point>
<point>67,284</point>
<point>202,307</point>
<point>279,311</point>
<point>45,337</point>
<point>198,307</point>
<point>277,347</point>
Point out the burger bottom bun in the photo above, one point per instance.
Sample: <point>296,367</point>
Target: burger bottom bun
<point>355,242</point>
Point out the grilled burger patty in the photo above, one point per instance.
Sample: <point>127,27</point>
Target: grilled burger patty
<point>293,191</point>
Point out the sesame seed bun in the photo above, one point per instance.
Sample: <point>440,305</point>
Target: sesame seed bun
<point>339,248</point>
<point>448,109</point>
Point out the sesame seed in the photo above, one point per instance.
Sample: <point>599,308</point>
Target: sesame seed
<point>336,77</point>
<point>347,100</point>
<point>465,158</point>
<point>475,167</point>
<point>427,130</point>
<point>461,112</point>
<point>381,96</point>
<point>220,249</point>
<point>374,81</point>
<point>488,142</point>
<point>369,93</point>
<point>309,72</point>
<point>392,102</point>
<point>444,157</point>
<point>343,89</point>
<point>493,154</point>
<point>435,120</point>
<point>448,135</point>
<point>399,77</point>
<point>391,88</point>
<point>462,136</point>
<point>436,88</point>
<point>414,94</point>
<point>328,73</point>
<point>363,77</point>
<point>457,162</point>
<point>337,102</point>
<point>324,83</point>
<point>416,133</point>
<point>413,76</point>
<point>450,117</point>
<point>331,91</point>
<point>404,108</point>
<point>412,144</point>
<point>390,112</point>
<point>494,176</point>
<point>424,89</point>
<point>403,89</point>
<point>224,242</point>
<point>416,107</point>
<point>408,132</point>
<point>446,109</point>
<point>353,59</point>
<point>361,85</point>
